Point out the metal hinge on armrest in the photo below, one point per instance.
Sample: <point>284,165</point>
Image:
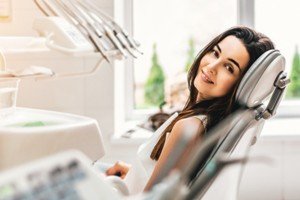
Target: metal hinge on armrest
<point>280,84</point>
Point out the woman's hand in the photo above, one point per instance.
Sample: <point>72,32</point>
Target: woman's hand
<point>118,169</point>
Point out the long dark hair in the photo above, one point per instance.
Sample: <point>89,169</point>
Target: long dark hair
<point>218,108</point>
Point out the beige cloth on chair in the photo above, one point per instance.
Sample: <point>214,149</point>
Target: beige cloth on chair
<point>140,172</point>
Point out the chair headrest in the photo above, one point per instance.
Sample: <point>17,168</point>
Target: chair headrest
<point>258,82</point>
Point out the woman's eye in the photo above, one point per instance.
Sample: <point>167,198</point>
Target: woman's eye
<point>229,68</point>
<point>215,53</point>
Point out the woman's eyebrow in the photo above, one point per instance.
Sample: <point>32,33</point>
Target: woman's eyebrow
<point>230,59</point>
<point>218,47</point>
<point>236,63</point>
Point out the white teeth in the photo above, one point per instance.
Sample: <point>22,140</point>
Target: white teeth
<point>206,78</point>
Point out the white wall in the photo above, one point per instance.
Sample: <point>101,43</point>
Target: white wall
<point>277,179</point>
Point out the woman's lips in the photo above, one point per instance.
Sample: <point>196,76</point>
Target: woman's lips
<point>205,78</point>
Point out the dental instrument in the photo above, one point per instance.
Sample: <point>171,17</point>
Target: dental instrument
<point>119,32</point>
<point>110,30</point>
<point>77,21</point>
<point>96,24</point>
<point>98,41</point>
<point>45,8</point>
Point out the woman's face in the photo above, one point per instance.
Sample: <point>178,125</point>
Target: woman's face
<point>220,68</point>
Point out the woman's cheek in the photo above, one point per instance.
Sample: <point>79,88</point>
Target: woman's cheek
<point>196,82</point>
<point>225,88</point>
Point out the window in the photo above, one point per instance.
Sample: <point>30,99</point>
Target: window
<point>280,20</point>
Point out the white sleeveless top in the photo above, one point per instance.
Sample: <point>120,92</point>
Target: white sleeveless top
<point>140,172</point>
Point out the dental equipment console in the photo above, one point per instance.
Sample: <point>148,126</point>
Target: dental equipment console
<point>74,28</point>
<point>77,29</point>
<point>98,28</point>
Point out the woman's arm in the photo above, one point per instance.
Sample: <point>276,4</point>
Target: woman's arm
<point>191,124</point>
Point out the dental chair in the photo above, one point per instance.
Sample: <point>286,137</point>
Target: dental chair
<point>225,151</point>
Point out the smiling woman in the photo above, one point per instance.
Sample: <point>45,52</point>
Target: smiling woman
<point>213,80</point>
<point>215,75</point>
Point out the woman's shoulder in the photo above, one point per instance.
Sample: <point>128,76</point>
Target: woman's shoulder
<point>202,118</point>
<point>191,123</point>
<point>197,119</point>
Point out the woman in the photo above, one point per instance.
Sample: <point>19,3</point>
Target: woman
<point>213,80</point>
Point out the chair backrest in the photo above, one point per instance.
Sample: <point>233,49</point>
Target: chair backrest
<point>264,78</point>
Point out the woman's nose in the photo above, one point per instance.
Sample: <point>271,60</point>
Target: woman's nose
<point>212,68</point>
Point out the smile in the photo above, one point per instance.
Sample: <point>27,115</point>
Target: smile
<point>205,78</point>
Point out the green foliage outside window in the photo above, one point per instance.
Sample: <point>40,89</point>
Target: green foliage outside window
<point>154,87</point>
<point>190,54</point>
<point>293,90</point>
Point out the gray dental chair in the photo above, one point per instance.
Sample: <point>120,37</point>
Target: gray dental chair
<point>228,144</point>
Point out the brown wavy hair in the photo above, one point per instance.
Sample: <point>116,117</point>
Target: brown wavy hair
<point>218,108</point>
